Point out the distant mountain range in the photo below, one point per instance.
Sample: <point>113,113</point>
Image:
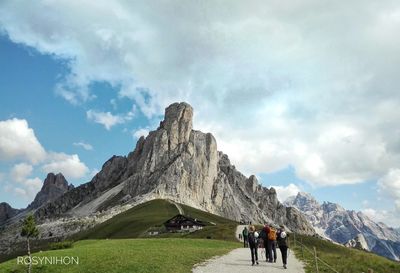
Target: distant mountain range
<point>348,227</point>
<point>173,162</point>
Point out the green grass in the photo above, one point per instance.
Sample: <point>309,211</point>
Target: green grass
<point>169,252</point>
<point>134,223</point>
<point>130,255</point>
<point>342,259</point>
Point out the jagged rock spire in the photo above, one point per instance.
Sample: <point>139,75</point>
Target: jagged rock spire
<point>53,187</point>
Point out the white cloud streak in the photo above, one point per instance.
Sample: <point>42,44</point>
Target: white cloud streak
<point>107,119</point>
<point>84,145</point>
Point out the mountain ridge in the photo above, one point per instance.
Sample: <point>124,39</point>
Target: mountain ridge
<point>348,227</point>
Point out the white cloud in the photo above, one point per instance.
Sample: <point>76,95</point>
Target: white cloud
<point>20,172</point>
<point>69,165</point>
<point>273,88</point>
<point>390,186</point>
<point>18,141</point>
<point>27,188</point>
<point>284,192</point>
<point>107,119</point>
<point>86,146</point>
<point>140,132</point>
<point>390,218</point>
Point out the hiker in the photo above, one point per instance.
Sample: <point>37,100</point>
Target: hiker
<point>253,243</point>
<point>272,244</point>
<point>283,243</point>
<point>264,235</point>
<point>245,234</point>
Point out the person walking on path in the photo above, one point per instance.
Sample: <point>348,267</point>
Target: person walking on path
<point>253,243</point>
<point>283,243</point>
<point>272,245</point>
<point>264,235</point>
<point>245,234</point>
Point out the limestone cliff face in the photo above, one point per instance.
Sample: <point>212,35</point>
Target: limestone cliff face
<point>184,165</point>
<point>179,163</point>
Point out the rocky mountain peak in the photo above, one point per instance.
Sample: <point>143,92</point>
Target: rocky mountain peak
<point>332,207</point>
<point>354,229</point>
<point>303,201</point>
<point>6,212</point>
<point>252,184</point>
<point>53,187</point>
<point>55,180</point>
<point>184,165</point>
<point>178,122</point>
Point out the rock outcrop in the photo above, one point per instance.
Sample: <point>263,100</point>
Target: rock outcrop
<point>358,242</point>
<point>53,187</point>
<point>7,212</point>
<point>178,163</point>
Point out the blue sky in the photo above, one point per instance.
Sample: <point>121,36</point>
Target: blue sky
<point>303,108</point>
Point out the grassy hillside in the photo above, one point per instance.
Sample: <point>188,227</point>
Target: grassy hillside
<point>130,255</point>
<point>134,223</point>
<point>342,259</point>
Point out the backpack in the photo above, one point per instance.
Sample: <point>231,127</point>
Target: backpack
<point>272,234</point>
<point>263,234</point>
<point>252,239</point>
<point>282,241</point>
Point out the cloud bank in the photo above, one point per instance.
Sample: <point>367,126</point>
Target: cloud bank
<point>308,84</point>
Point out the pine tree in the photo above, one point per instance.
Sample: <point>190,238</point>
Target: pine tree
<point>29,230</point>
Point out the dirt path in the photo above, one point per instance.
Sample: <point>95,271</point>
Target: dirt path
<point>178,207</point>
<point>239,261</point>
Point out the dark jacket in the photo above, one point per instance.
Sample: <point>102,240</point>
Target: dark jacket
<point>245,232</point>
<point>282,241</point>
<point>253,241</point>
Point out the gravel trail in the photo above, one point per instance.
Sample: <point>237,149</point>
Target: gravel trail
<point>239,261</point>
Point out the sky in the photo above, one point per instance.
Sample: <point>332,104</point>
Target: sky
<point>303,94</point>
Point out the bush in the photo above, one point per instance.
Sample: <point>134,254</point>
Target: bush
<point>61,245</point>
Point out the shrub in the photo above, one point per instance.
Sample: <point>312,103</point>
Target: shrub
<point>61,245</point>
